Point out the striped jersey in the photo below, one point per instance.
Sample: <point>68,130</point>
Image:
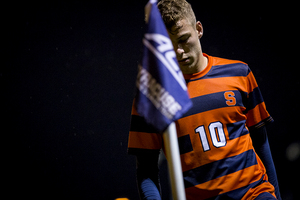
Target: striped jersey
<point>217,155</point>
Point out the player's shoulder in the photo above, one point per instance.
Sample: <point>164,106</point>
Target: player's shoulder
<point>237,67</point>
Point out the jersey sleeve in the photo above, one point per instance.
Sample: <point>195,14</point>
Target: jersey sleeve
<point>142,136</point>
<point>256,112</point>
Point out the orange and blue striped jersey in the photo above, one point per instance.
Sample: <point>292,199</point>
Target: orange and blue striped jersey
<point>217,155</point>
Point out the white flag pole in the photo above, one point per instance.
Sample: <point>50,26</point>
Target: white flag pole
<point>174,163</point>
<point>171,145</point>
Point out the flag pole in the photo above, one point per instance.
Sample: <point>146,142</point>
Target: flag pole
<point>170,134</point>
<point>174,163</point>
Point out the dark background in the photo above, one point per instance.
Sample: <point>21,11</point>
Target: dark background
<point>68,82</point>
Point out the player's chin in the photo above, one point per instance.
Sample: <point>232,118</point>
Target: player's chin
<point>186,69</point>
<point>186,64</point>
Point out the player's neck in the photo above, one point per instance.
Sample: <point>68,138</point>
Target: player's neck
<point>203,61</point>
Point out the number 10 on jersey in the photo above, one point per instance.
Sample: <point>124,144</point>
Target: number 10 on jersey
<point>217,135</point>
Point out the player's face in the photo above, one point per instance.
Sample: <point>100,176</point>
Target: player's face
<point>185,40</point>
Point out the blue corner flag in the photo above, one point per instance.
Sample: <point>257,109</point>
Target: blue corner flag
<point>162,93</point>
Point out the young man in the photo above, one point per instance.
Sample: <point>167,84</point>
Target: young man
<point>222,139</point>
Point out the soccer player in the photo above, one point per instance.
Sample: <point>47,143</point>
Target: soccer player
<point>223,142</point>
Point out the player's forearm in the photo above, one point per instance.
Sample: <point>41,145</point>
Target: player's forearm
<point>266,157</point>
<point>262,148</point>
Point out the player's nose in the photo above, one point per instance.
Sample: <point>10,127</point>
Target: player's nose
<point>179,51</point>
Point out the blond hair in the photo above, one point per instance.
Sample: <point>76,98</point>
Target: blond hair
<point>173,11</point>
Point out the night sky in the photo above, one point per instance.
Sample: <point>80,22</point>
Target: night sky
<point>68,82</point>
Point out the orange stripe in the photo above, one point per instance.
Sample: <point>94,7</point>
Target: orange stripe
<point>254,192</point>
<point>133,109</point>
<point>143,140</point>
<point>252,82</point>
<point>225,183</point>
<point>223,61</point>
<point>209,86</point>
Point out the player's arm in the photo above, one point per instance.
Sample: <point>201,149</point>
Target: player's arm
<point>262,148</point>
<point>147,175</point>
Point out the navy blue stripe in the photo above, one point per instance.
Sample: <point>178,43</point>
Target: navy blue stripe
<point>254,99</point>
<point>139,124</point>
<point>230,70</point>
<point>237,129</point>
<point>211,102</point>
<point>185,144</point>
<point>238,193</point>
<point>219,168</point>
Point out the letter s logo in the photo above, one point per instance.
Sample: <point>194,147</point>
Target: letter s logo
<point>229,96</point>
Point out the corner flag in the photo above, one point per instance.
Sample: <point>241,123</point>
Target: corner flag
<point>162,93</point>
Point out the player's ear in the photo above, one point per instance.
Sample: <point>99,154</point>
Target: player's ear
<point>199,29</point>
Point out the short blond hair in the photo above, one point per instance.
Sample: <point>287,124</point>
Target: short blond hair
<point>173,11</point>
